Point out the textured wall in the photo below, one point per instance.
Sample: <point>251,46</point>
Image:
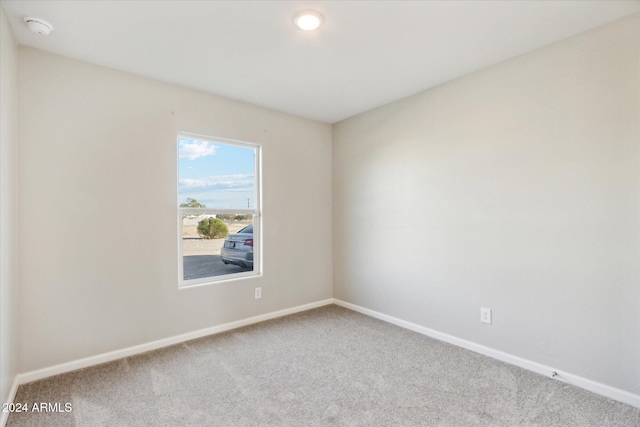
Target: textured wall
<point>514,188</point>
<point>98,237</point>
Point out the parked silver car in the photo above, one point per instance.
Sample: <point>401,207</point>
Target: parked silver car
<point>238,248</point>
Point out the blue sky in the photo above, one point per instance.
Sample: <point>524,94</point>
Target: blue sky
<point>219,175</point>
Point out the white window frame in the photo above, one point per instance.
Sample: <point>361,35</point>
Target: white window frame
<point>256,212</point>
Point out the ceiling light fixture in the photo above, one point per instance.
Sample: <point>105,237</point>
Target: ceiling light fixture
<point>38,25</point>
<point>308,20</point>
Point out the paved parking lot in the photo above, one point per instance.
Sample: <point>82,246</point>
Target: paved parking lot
<point>198,266</point>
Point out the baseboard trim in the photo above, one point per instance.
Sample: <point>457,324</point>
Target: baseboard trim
<point>569,378</point>
<point>578,381</point>
<point>4,416</point>
<point>39,374</point>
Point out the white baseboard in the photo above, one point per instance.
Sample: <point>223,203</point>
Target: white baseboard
<point>4,416</point>
<point>593,386</point>
<point>154,345</point>
<point>578,381</point>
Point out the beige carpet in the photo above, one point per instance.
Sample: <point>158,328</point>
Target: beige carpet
<point>328,366</point>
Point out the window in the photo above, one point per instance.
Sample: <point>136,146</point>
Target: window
<point>218,209</point>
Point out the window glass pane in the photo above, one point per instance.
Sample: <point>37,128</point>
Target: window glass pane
<point>215,175</point>
<point>207,249</point>
<point>218,183</point>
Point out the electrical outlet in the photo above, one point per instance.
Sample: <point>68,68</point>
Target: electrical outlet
<point>485,315</point>
<point>258,293</point>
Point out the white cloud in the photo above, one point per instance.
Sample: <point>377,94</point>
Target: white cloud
<point>236,176</point>
<point>231,185</point>
<point>195,149</point>
<point>212,185</point>
<point>192,183</point>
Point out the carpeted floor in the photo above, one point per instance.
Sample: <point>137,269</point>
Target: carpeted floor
<point>323,367</point>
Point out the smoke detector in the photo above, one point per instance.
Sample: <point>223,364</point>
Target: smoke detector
<point>38,25</point>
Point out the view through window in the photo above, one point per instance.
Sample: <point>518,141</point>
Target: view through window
<point>218,209</point>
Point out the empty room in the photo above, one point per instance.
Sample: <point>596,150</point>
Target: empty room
<point>312,213</point>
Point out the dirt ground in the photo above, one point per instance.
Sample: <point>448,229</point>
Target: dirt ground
<point>192,244</point>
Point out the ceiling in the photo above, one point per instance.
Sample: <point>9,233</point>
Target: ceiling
<point>367,53</point>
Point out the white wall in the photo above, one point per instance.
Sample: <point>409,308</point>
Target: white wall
<point>514,188</point>
<point>8,203</point>
<point>98,238</point>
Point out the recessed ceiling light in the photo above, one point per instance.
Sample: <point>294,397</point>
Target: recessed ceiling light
<point>38,25</point>
<point>309,20</point>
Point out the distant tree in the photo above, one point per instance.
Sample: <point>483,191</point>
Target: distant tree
<point>212,228</point>
<point>192,203</point>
